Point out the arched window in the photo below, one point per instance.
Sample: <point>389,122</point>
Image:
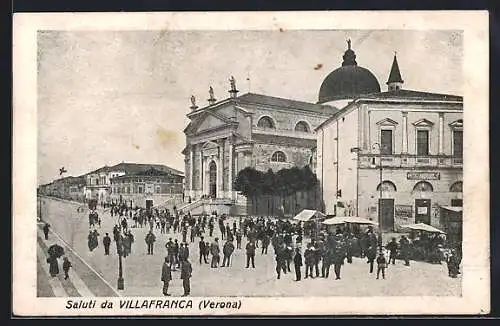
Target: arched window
<point>423,186</point>
<point>387,186</point>
<point>302,126</point>
<point>266,122</point>
<point>278,156</point>
<point>456,187</point>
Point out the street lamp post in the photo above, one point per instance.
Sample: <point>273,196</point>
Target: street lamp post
<point>119,248</point>
<point>380,190</point>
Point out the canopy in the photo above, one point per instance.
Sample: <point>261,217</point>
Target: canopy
<point>348,219</point>
<point>423,227</point>
<point>457,209</point>
<point>308,214</point>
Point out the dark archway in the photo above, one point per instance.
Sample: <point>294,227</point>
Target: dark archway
<point>212,179</point>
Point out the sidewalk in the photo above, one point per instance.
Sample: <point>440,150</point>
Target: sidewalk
<point>83,280</point>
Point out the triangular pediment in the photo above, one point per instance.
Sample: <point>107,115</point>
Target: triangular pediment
<point>210,145</point>
<point>208,121</point>
<point>423,123</point>
<point>387,122</point>
<point>457,124</point>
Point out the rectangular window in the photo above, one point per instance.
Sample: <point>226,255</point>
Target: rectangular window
<point>158,190</point>
<point>457,143</point>
<point>140,190</point>
<point>386,142</point>
<point>422,142</point>
<point>457,202</point>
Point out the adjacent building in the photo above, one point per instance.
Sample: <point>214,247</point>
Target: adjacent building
<point>148,188</point>
<point>100,183</point>
<point>251,130</point>
<point>70,188</point>
<point>394,156</point>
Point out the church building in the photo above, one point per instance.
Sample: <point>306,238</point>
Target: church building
<point>393,155</point>
<point>250,130</point>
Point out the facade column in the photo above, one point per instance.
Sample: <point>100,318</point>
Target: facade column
<point>191,171</point>
<point>230,172</point>
<point>441,133</point>
<point>202,175</point>
<point>405,133</point>
<point>220,169</point>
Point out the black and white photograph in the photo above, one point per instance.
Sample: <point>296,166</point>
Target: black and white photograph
<point>203,163</point>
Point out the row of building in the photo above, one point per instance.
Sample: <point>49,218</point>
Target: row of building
<point>142,185</point>
<point>391,155</point>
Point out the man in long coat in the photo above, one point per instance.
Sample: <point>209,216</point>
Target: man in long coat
<point>297,262</point>
<point>150,240</point>
<point>227,250</point>
<point>215,252</point>
<point>166,276</point>
<point>186,272</point>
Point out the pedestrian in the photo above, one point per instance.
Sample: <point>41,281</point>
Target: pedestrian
<point>215,251</point>
<point>297,262</point>
<point>309,260</point>
<point>211,227</point>
<point>453,264</point>
<point>166,275</point>
<point>326,263</point>
<point>280,260</point>
<point>339,255</point>
<point>186,272</point>
<point>265,243</point>
<point>201,246</point>
<point>176,253</point>
<point>371,253</point>
<point>170,252</point>
<point>66,266</point>
<point>405,249</point>
<point>106,241</point>
<point>53,265</point>
<point>46,228</point>
<point>381,265</point>
<point>250,248</point>
<point>227,251</point>
<point>238,239</point>
<point>393,248</point>
<point>184,233</point>
<point>206,253</point>
<point>150,240</point>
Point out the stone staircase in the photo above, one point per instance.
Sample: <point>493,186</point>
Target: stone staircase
<point>207,206</point>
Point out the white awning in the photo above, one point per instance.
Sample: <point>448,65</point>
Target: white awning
<point>308,214</point>
<point>457,209</point>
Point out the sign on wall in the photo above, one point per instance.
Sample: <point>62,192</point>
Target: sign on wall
<point>423,175</point>
<point>403,211</point>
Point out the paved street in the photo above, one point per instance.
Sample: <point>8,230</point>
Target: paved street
<point>142,272</point>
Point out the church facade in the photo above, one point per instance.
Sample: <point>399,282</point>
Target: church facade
<point>393,156</point>
<point>251,130</point>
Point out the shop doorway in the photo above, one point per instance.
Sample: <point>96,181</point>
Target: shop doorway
<point>423,211</point>
<point>386,214</point>
<point>149,204</point>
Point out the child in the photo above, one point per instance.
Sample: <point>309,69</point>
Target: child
<point>66,266</point>
<point>381,265</point>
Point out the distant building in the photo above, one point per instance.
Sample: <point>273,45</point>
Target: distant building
<point>148,188</point>
<point>99,182</point>
<point>70,188</point>
<point>251,130</point>
<point>395,154</point>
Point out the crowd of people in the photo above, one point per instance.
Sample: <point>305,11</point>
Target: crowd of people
<point>308,247</point>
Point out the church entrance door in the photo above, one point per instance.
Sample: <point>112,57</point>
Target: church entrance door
<point>212,180</point>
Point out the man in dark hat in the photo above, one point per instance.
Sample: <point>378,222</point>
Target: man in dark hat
<point>250,248</point>
<point>166,275</point>
<point>297,262</point>
<point>46,228</point>
<point>393,248</point>
<point>186,272</point>
<point>106,241</point>
<point>201,246</point>
<point>150,240</point>
<point>227,250</point>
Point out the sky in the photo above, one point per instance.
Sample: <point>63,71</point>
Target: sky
<point>109,97</point>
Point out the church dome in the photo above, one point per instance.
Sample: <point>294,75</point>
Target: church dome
<point>348,81</point>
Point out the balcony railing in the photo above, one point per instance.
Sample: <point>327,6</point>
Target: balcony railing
<point>409,161</point>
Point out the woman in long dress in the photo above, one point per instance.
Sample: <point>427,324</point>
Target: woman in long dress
<point>53,265</point>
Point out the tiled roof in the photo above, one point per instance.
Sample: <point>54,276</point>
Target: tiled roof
<point>252,98</point>
<point>404,94</point>
<point>131,168</point>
